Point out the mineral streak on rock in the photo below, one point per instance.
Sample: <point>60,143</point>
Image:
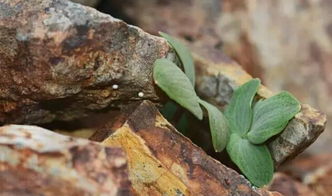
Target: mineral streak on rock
<point>59,60</point>
<point>164,162</point>
<point>216,83</point>
<point>35,161</point>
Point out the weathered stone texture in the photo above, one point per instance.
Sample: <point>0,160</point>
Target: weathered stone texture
<point>164,162</point>
<point>35,161</point>
<point>145,156</point>
<point>59,60</point>
<point>63,61</point>
<point>314,171</point>
<point>288,186</point>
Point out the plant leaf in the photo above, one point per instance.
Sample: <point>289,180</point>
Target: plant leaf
<point>271,116</point>
<point>239,110</point>
<point>184,55</point>
<point>176,85</point>
<point>254,161</point>
<point>218,126</point>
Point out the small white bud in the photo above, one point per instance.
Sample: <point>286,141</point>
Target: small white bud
<point>115,86</point>
<point>141,94</point>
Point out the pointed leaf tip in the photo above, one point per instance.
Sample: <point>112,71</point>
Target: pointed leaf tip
<point>271,116</point>
<point>254,161</point>
<point>176,85</point>
<point>184,54</point>
<point>218,126</point>
<point>239,110</point>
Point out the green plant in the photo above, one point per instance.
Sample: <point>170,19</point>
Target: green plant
<point>250,124</point>
<point>179,87</point>
<point>184,55</point>
<point>171,109</point>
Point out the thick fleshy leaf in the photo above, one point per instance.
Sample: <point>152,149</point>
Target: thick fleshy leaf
<point>176,85</point>
<point>271,116</point>
<point>254,161</point>
<point>239,110</point>
<point>218,126</point>
<point>184,55</point>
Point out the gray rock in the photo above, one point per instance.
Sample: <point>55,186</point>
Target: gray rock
<point>300,132</point>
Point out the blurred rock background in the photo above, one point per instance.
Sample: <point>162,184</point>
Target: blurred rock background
<point>286,43</point>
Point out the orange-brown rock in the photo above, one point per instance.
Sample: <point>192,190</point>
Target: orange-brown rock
<point>144,156</point>
<point>289,186</point>
<point>35,161</point>
<point>163,162</point>
<point>59,66</point>
<point>60,60</point>
<point>314,171</point>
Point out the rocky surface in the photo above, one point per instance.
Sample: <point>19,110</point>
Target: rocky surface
<point>288,186</point>
<point>164,162</point>
<point>35,161</point>
<point>145,156</point>
<point>61,60</point>
<point>199,24</point>
<point>314,171</point>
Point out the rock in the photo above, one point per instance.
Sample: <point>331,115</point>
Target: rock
<point>289,186</point>
<point>35,161</point>
<point>58,66</point>
<point>79,133</point>
<point>198,25</point>
<point>314,171</point>
<point>145,156</point>
<point>300,132</point>
<point>61,60</point>
<point>164,162</point>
